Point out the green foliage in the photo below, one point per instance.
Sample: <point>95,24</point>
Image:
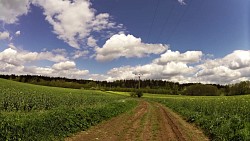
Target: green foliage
<point>30,112</point>
<point>222,118</point>
<point>201,90</point>
<point>136,93</point>
<point>241,88</point>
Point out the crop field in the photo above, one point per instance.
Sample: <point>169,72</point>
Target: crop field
<point>221,118</point>
<point>30,112</point>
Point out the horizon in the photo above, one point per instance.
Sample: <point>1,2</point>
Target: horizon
<point>184,41</point>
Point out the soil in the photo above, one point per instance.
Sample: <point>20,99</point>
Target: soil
<point>149,121</point>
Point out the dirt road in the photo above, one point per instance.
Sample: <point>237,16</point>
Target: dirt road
<point>148,121</point>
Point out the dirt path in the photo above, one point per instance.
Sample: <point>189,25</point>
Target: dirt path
<point>147,122</point>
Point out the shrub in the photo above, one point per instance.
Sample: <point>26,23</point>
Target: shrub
<point>136,93</point>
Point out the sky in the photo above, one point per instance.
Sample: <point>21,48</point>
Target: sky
<point>184,41</point>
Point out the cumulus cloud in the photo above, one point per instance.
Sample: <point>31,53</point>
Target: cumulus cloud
<point>10,10</point>
<point>78,54</point>
<point>151,71</point>
<point>228,69</point>
<point>74,20</point>
<point>171,69</point>
<point>238,59</point>
<point>64,65</point>
<point>176,56</point>
<point>63,69</point>
<point>18,33</point>
<point>121,45</point>
<point>171,66</point>
<point>14,61</point>
<point>182,2</point>
<point>220,74</point>
<point>73,72</point>
<point>19,57</point>
<point>188,67</point>
<point>4,35</point>
<point>91,42</point>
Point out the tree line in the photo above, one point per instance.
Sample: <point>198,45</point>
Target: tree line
<point>146,86</point>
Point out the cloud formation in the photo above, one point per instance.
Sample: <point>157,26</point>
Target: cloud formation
<point>91,42</point>
<point>75,20</point>
<point>18,33</point>
<point>174,66</point>
<point>10,10</point>
<point>72,20</point>
<point>15,61</point>
<point>166,67</point>
<point>182,2</point>
<point>4,35</point>
<point>121,45</point>
<point>189,67</point>
<point>17,57</point>
<point>176,56</point>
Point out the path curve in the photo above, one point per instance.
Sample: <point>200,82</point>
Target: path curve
<point>149,121</point>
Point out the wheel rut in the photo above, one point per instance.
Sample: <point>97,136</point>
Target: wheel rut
<point>149,121</point>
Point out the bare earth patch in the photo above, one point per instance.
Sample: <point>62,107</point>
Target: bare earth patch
<point>148,121</point>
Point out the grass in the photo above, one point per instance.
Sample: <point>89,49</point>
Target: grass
<point>31,112</point>
<point>222,118</point>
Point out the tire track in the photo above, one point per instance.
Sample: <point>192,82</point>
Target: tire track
<point>148,121</point>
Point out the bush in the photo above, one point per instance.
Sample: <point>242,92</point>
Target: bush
<point>136,93</point>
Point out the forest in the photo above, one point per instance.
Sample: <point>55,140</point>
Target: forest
<point>146,86</point>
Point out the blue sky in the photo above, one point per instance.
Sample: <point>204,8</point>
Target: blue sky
<point>176,40</point>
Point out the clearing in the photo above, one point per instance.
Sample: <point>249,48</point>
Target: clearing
<point>148,121</point>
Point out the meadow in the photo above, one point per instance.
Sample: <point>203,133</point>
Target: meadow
<point>221,118</point>
<point>30,112</point>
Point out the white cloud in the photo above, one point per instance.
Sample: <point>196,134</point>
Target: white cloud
<point>151,71</point>
<point>184,67</point>
<point>170,70</point>
<point>175,66</point>
<point>121,45</point>
<point>74,20</point>
<point>18,33</point>
<point>10,10</point>
<point>60,51</point>
<point>73,72</point>
<point>51,57</point>
<point>176,56</point>
<point>91,42</point>
<point>64,65</point>
<point>220,74</point>
<point>238,59</point>
<point>4,35</point>
<point>14,62</point>
<point>11,45</point>
<point>228,69</point>
<point>19,57</point>
<point>182,2</point>
<point>77,54</point>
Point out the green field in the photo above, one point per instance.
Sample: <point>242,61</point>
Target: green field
<point>221,118</point>
<point>30,112</point>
